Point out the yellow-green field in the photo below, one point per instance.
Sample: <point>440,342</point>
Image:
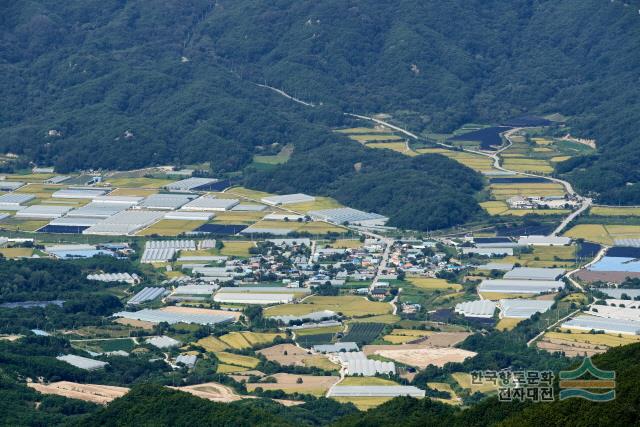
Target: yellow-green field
<point>505,191</point>
<point>382,318</point>
<point>399,147</point>
<point>432,283</point>
<point>139,182</point>
<point>609,340</point>
<point>170,227</point>
<point>604,234</point>
<point>223,368</point>
<point>496,207</point>
<point>212,344</point>
<point>16,252</point>
<point>402,336</point>
<point>238,340</point>
<point>236,248</point>
<point>14,224</point>
<point>473,161</point>
<point>546,256</point>
<point>41,191</point>
<point>248,193</point>
<point>447,389</point>
<point>318,204</point>
<point>235,217</point>
<point>345,244</point>
<point>507,323</point>
<point>139,192</point>
<point>363,403</point>
<point>615,211</point>
<point>237,359</point>
<point>375,137</point>
<point>363,130</point>
<point>315,331</point>
<point>495,296</point>
<point>366,381</point>
<point>465,381</point>
<point>347,305</point>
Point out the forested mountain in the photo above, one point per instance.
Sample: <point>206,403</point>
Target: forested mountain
<point>126,84</point>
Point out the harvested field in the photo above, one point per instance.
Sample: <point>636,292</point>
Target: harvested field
<point>423,357</point>
<point>212,344</point>
<point>288,383</point>
<point>605,276</point>
<point>295,356</point>
<point>427,338</point>
<point>94,393</point>
<point>223,368</point>
<point>220,393</point>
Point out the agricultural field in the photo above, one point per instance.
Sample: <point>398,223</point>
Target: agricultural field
<point>579,343</point>
<point>495,296</point>
<point>277,159</point>
<point>615,211</point>
<point>364,130</point>
<point>603,234</point>
<point>139,182</point>
<point>527,165</point>
<point>243,340</point>
<point>546,256</point>
<point>429,283</point>
<point>363,403</point>
<point>348,305</point>
<point>507,323</point>
<point>363,333</point>
<point>507,190</point>
<point>375,137</point>
<point>423,357</point>
<point>237,359</point>
<point>105,345</point>
<point>381,318</point>
<point>291,355</point>
<point>399,147</point>
<point>366,381</point>
<point>15,224</point>
<point>212,344</point>
<point>474,161</point>
<point>444,387</point>
<point>236,248</point>
<point>345,244</point>
<point>318,204</point>
<point>16,252</point>
<point>404,336</point>
<point>292,383</point>
<point>464,380</point>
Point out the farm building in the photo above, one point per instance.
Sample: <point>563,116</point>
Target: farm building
<point>189,216</point>
<point>82,362</point>
<point>78,193</point>
<point>375,391</point>
<point>165,201</point>
<point>190,184</point>
<point>158,316</point>
<point>242,207</point>
<point>287,199</point>
<point>98,210</point>
<point>316,316</point>
<point>336,348</point>
<point>195,290</point>
<point>125,223</point>
<point>164,250</point>
<point>480,308</point>
<point>543,241</point>
<point>522,308</point>
<point>520,286</point>
<point>146,295</point>
<point>499,266</point>
<point>252,298</point>
<point>210,203</point>
<point>14,201</point>
<point>610,326</point>
<point>163,342</point>
<point>349,216</point>
<point>125,200</point>
<point>43,211</point>
<point>356,363</point>
<point>529,273</point>
<point>115,277</point>
<point>620,313</point>
<point>10,185</point>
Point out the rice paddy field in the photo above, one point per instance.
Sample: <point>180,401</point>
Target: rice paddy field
<point>13,253</point>
<point>400,147</point>
<point>527,165</point>
<point>363,130</point>
<point>363,403</point>
<point>375,137</point>
<point>432,283</point>
<point>236,248</point>
<point>348,305</point>
<point>464,380</point>
<point>545,256</point>
<point>474,161</point>
<point>603,234</point>
<point>505,191</point>
<point>615,211</point>
<point>497,207</point>
<point>403,336</point>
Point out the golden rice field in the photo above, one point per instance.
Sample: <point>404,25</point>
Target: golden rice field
<point>363,403</point>
<point>464,380</point>
<point>318,204</point>
<point>473,161</point>
<point>579,336</point>
<point>494,207</point>
<point>237,359</point>
<point>237,248</point>
<point>212,344</point>
<point>399,147</point>
<point>615,211</point>
<point>347,304</point>
<point>542,141</point>
<point>507,323</point>
<point>237,340</point>
<point>505,191</point>
<point>604,234</point>
<point>236,217</point>
<point>346,243</point>
<point>376,137</point>
<point>223,368</point>
<point>16,252</point>
<point>557,159</point>
<point>495,296</point>
<point>381,318</point>
<point>527,165</point>
<point>432,283</point>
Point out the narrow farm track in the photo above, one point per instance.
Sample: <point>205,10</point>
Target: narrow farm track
<point>585,202</point>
